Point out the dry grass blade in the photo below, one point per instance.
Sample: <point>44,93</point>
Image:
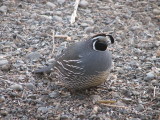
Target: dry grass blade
<point>53,39</point>
<point>109,102</point>
<point>106,101</point>
<point>109,105</point>
<point>74,14</point>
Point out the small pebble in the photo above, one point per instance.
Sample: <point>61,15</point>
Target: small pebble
<point>84,24</point>
<point>81,116</point>
<point>17,87</point>
<point>135,119</point>
<point>42,109</point>
<point>46,17</point>
<point>30,86</point>
<point>107,29</point>
<point>6,67</point>
<point>64,117</point>
<point>158,53</point>
<point>3,9</point>
<point>3,112</point>
<point>126,92</point>
<point>32,96</point>
<point>156,11</point>
<point>89,29</point>
<point>94,117</point>
<point>50,4</point>
<point>89,21</point>
<point>140,108</point>
<point>115,95</point>
<point>149,76</point>
<point>33,56</point>
<point>61,1</point>
<point>57,18</point>
<point>2,98</point>
<point>135,93</point>
<point>96,109</point>
<point>95,98</point>
<point>83,3</point>
<point>3,62</point>
<point>155,82</point>
<point>53,94</point>
<point>127,100</point>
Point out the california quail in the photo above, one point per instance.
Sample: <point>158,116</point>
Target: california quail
<point>83,64</point>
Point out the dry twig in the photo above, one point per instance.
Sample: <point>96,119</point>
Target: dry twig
<point>154,92</point>
<point>63,36</point>
<point>74,14</point>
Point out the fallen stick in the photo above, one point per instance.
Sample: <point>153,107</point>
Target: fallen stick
<point>63,36</point>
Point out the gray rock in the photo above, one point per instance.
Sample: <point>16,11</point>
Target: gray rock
<point>115,95</point>
<point>149,76</point>
<point>135,119</point>
<point>50,4</point>
<point>95,117</point>
<point>156,11</point>
<point>155,82</point>
<point>32,96</point>
<point>57,18</point>
<point>17,87</point>
<point>34,15</point>
<point>140,108</point>
<point>53,94</point>
<point>83,3</point>
<point>136,93</point>
<point>64,117</point>
<point>126,92</point>
<point>107,29</point>
<point>81,116</point>
<point>89,29</point>
<point>61,1</point>
<point>30,86</point>
<point>127,100</point>
<point>2,98</point>
<point>42,109</point>
<point>3,9</point>
<point>46,17</point>
<point>3,62</point>
<point>95,98</point>
<point>58,13</point>
<point>3,112</point>
<point>89,21</point>
<point>33,56</point>
<point>84,24</point>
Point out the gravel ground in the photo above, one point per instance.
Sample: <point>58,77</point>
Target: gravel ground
<point>26,42</point>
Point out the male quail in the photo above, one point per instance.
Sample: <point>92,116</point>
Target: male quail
<point>83,64</point>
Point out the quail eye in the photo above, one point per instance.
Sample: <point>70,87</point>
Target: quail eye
<point>100,45</point>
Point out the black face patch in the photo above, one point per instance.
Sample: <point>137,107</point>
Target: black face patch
<point>100,45</point>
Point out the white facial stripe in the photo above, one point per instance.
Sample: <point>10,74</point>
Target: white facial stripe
<point>94,45</point>
<point>97,37</point>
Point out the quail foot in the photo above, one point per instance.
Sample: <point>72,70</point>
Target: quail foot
<point>83,64</point>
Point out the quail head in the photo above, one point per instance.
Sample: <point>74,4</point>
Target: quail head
<point>83,64</point>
